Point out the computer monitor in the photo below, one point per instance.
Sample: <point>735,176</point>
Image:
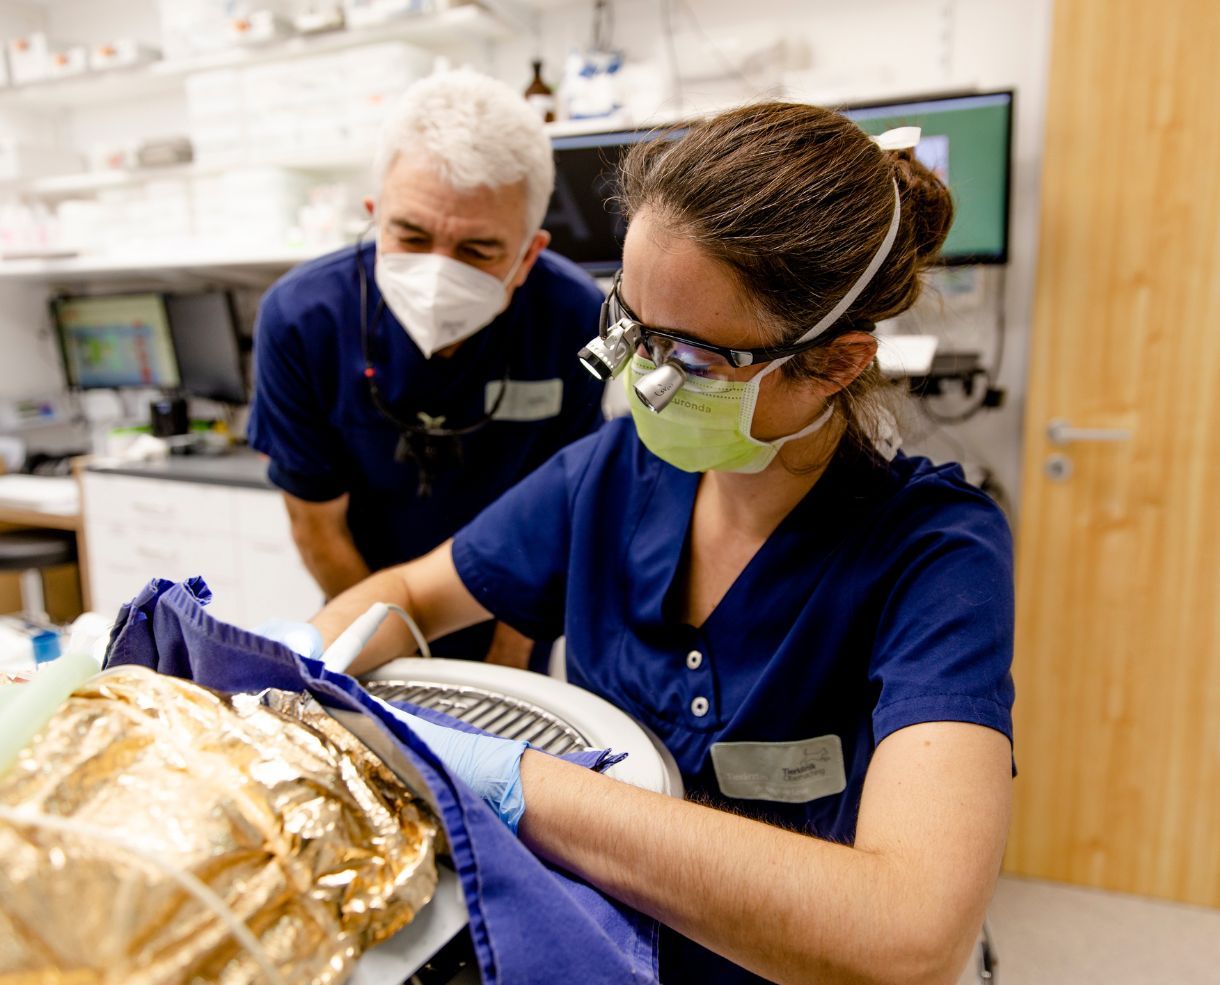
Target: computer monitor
<point>207,344</point>
<point>121,340</point>
<point>585,224</point>
<point>967,140</point>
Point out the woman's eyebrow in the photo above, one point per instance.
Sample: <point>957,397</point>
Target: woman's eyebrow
<point>661,328</point>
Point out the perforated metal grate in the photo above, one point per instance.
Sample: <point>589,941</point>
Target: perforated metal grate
<point>494,713</point>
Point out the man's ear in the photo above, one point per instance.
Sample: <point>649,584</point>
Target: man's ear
<point>846,358</point>
<point>537,245</point>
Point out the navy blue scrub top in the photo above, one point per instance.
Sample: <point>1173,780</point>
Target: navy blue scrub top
<point>884,599</point>
<point>314,417</point>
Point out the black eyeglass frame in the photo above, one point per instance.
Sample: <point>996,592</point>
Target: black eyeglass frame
<point>737,358</point>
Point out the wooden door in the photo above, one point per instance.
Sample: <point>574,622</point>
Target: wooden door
<point>1118,623</point>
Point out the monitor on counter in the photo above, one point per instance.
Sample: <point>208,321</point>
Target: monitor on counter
<point>207,345</point>
<point>967,140</point>
<point>185,343</point>
<point>115,341</point>
<point>584,221</point>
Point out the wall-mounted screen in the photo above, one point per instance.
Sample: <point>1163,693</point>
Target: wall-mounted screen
<point>967,140</point>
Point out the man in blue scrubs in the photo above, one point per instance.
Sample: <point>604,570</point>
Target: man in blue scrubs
<point>404,384</point>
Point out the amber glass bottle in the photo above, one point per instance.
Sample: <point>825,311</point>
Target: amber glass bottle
<point>540,95</point>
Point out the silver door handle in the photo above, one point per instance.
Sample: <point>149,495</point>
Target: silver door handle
<point>1062,433</point>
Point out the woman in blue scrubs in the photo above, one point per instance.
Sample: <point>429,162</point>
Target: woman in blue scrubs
<point>819,629</point>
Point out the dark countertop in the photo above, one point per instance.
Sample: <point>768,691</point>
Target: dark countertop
<point>240,467</point>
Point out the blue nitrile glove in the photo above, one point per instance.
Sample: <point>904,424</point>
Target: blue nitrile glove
<point>300,637</point>
<point>490,766</point>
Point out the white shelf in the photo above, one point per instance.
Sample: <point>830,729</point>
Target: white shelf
<point>620,120</point>
<point>91,88</point>
<point>350,159</point>
<point>449,28</point>
<point>88,182</point>
<point>155,265</point>
<point>461,25</point>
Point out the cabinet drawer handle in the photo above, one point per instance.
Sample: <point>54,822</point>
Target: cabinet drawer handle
<point>145,507</point>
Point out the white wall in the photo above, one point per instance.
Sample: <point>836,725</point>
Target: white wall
<point>29,364</point>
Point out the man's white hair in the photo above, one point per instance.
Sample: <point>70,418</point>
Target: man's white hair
<point>476,131</point>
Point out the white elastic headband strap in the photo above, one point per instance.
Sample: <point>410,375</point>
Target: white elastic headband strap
<point>853,292</point>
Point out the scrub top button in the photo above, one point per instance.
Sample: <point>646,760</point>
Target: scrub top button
<point>694,660</point>
<point>699,706</point>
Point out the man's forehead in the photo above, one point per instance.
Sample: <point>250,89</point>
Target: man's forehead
<point>426,202</point>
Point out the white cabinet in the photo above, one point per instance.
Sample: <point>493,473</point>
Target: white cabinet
<point>273,579</point>
<point>237,538</point>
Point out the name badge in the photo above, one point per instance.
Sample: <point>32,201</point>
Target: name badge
<point>524,400</point>
<point>785,772</point>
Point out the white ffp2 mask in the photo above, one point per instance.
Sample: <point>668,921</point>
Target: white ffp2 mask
<point>439,300</point>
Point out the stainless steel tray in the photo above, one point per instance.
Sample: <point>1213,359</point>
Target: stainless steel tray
<point>509,718</point>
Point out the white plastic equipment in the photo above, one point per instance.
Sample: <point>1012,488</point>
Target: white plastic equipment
<point>603,726</point>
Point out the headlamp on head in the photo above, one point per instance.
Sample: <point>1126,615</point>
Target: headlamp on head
<point>607,355</point>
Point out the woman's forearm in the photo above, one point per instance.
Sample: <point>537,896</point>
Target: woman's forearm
<point>393,638</point>
<point>785,905</point>
<point>428,588</point>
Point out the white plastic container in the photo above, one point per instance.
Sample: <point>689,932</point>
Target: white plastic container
<point>81,224</point>
<point>193,27</point>
<point>259,27</point>
<point>25,643</point>
<point>28,58</point>
<point>68,62</point>
<point>121,53</point>
<point>249,208</point>
<point>364,13</point>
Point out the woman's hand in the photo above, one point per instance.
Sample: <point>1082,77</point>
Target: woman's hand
<point>491,767</point>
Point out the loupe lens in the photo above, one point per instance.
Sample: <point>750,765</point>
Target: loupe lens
<point>657,388</point>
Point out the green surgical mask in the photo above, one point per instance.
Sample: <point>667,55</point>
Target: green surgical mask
<point>707,425</point>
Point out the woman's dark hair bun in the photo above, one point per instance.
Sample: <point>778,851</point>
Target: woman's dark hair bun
<point>927,206</point>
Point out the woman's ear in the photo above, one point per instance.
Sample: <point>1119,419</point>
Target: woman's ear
<point>846,358</point>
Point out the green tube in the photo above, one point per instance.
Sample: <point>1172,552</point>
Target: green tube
<point>24,712</point>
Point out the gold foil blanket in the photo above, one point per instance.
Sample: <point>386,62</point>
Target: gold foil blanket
<point>157,833</point>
